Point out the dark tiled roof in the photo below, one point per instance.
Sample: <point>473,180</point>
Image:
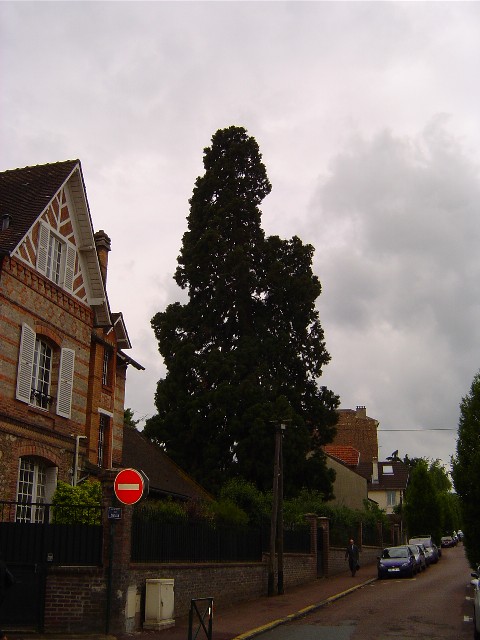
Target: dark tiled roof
<point>24,195</point>
<point>396,480</point>
<point>164,475</point>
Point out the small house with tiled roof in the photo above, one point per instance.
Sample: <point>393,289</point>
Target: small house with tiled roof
<point>347,454</point>
<point>349,487</point>
<point>386,481</point>
<point>63,363</point>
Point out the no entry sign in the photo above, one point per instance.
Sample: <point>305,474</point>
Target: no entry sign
<point>128,486</point>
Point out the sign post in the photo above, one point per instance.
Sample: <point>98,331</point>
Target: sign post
<point>129,486</point>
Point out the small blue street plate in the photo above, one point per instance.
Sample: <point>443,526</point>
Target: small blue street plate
<point>114,513</point>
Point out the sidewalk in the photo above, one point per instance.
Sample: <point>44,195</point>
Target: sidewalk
<point>249,619</point>
<point>246,620</point>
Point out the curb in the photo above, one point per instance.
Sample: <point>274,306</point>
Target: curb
<point>299,614</point>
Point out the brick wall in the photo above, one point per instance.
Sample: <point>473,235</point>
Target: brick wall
<point>338,564</point>
<point>225,583</point>
<point>75,600</point>
<point>356,429</point>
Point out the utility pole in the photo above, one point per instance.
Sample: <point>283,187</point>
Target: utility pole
<point>273,523</point>
<point>280,513</point>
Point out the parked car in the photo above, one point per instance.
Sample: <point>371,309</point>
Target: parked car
<point>460,535</point>
<point>431,550</point>
<point>396,561</point>
<point>476,603</point>
<point>419,555</point>
<point>447,541</point>
<point>432,553</point>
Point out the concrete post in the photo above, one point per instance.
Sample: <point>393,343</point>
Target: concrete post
<point>324,523</point>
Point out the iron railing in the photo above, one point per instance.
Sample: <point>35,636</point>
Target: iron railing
<point>30,533</point>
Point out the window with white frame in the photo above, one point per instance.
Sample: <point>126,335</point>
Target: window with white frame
<point>35,487</point>
<point>103,429</point>
<point>36,372</point>
<point>41,374</point>
<point>106,367</point>
<point>391,498</point>
<point>55,257</point>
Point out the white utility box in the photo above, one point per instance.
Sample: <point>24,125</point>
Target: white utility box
<point>159,603</point>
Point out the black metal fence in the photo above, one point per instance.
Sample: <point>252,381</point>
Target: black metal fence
<point>39,539</point>
<point>340,533</point>
<point>202,542</point>
<point>372,534</point>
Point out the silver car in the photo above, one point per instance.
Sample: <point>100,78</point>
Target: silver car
<point>476,603</point>
<point>419,554</point>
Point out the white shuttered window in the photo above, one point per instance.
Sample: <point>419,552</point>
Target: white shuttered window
<point>34,374</point>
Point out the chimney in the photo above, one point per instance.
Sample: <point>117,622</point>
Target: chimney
<point>103,245</point>
<point>361,412</point>
<point>374,470</point>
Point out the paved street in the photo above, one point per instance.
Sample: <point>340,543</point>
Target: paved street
<point>432,606</point>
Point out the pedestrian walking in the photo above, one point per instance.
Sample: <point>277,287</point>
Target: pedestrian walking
<point>353,555</point>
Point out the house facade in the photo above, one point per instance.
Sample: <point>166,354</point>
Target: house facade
<point>356,445</point>
<point>63,364</point>
<point>356,429</point>
<point>349,488</point>
<point>387,482</point>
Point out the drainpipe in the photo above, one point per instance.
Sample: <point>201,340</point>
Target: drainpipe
<point>75,459</point>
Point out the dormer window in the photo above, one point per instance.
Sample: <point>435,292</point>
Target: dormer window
<point>55,258</point>
<point>6,219</point>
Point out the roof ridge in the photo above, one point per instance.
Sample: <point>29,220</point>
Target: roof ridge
<point>45,164</point>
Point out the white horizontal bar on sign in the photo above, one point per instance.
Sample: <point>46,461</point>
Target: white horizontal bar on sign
<point>129,487</point>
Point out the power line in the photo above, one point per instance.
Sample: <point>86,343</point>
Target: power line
<point>433,429</point>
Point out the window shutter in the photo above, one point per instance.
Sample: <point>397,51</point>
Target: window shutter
<point>42,250</point>
<point>70,267</point>
<point>25,364</point>
<point>65,383</point>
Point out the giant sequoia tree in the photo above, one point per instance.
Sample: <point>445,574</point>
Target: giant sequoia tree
<point>466,466</point>
<point>247,348</point>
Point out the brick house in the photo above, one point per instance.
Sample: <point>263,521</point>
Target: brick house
<point>356,429</point>
<point>356,445</point>
<point>62,362</point>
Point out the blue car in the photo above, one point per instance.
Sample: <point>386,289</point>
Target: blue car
<point>397,562</point>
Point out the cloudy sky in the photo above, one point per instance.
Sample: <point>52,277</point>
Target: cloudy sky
<point>367,116</point>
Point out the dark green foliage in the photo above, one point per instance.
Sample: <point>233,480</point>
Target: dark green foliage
<point>128,419</point>
<point>254,503</point>
<point>466,466</point>
<point>451,513</point>
<point>77,505</point>
<point>226,512</point>
<point>422,508</point>
<point>166,511</point>
<point>247,349</point>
